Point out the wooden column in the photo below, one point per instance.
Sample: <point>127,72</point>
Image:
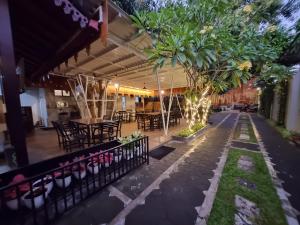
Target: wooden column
<point>11,86</point>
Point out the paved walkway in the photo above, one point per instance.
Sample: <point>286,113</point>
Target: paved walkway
<point>164,192</point>
<point>286,158</point>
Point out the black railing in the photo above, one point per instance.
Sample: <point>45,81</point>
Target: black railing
<point>46,195</point>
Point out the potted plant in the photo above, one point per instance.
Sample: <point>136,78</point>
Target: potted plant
<point>63,177</point>
<point>36,197</point>
<point>130,145</point>
<point>79,170</point>
<point>94,165</point>
<point>47,181</point>
<point>11,196</point>
<point>117,156</point>
<point>106,159</point>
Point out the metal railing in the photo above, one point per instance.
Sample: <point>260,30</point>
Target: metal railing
<point>41,198</point>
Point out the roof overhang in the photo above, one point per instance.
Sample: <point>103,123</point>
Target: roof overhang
<point>122,59</point>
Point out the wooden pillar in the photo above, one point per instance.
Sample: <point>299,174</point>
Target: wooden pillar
<point>11,86</point>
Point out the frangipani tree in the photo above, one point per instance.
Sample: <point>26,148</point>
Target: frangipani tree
<point>217,42</point>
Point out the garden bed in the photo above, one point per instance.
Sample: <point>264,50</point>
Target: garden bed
<point>293,137</point>
<point>187,135</point>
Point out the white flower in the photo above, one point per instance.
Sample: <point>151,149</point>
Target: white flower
<point>272,28</point>
<point>247,9</point>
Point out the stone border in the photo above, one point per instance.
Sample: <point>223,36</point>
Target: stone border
<point>205,209</point>
<point>192,136</point>
<point>290,212</point>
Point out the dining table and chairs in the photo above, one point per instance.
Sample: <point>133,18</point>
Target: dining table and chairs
<point>79,133</point>
<point>154,120</point>
<point>86,131</point>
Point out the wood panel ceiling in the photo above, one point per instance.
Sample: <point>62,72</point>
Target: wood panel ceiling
<point>122,60</point>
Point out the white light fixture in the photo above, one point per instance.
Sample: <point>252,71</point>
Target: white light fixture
<point>116,85</point>
<point>162,92</point>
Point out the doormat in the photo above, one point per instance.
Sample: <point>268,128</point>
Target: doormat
<point>161,152</point>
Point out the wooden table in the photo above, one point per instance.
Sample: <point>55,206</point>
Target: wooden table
<point>88,123</point>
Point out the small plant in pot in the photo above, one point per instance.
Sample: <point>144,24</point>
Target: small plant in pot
<point>129,142</point>
<point>106,159</point>
<point>47,181</point>
<point>36,196</point>
<point>129,154</point>
<point>117,156</point>
<point>78,169</point>
<point>139,149</point>
<point>11,195</point>
<point>94,165</point>
<point>63,177</point>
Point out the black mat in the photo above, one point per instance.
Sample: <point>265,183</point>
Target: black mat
<point>161,152</point>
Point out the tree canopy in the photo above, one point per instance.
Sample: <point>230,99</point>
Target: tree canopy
<point>219,43</point>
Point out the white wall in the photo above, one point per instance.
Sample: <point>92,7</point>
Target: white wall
<point>293,106</point>
<point>35,97</point>
<point>31,98</point>
<point>275,107</point>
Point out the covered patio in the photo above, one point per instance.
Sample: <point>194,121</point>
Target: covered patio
<point>88,123</point>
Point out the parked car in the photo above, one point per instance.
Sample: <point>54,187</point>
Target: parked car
<point>253,108</point>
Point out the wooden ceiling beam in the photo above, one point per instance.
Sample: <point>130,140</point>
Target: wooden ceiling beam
<point>78,40</point>
<point>131,67</point>
<point>115,62</point>
<point>126,45</point>
<point>90,58</point>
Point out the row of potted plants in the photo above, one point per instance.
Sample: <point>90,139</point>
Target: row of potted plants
<point>63,177</point>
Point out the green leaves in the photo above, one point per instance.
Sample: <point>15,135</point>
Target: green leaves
<point>181,57</point>
<point>210,39</point>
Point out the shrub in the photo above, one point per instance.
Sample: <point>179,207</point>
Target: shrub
<point>187,132</point>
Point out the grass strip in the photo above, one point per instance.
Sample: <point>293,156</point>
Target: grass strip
<point>264,195</point>
<point>250,129</point>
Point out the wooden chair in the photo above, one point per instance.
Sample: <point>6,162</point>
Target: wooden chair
<point>70,137</point>
<point>105,132</point>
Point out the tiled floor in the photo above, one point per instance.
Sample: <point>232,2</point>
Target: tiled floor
<point>43,144</point>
